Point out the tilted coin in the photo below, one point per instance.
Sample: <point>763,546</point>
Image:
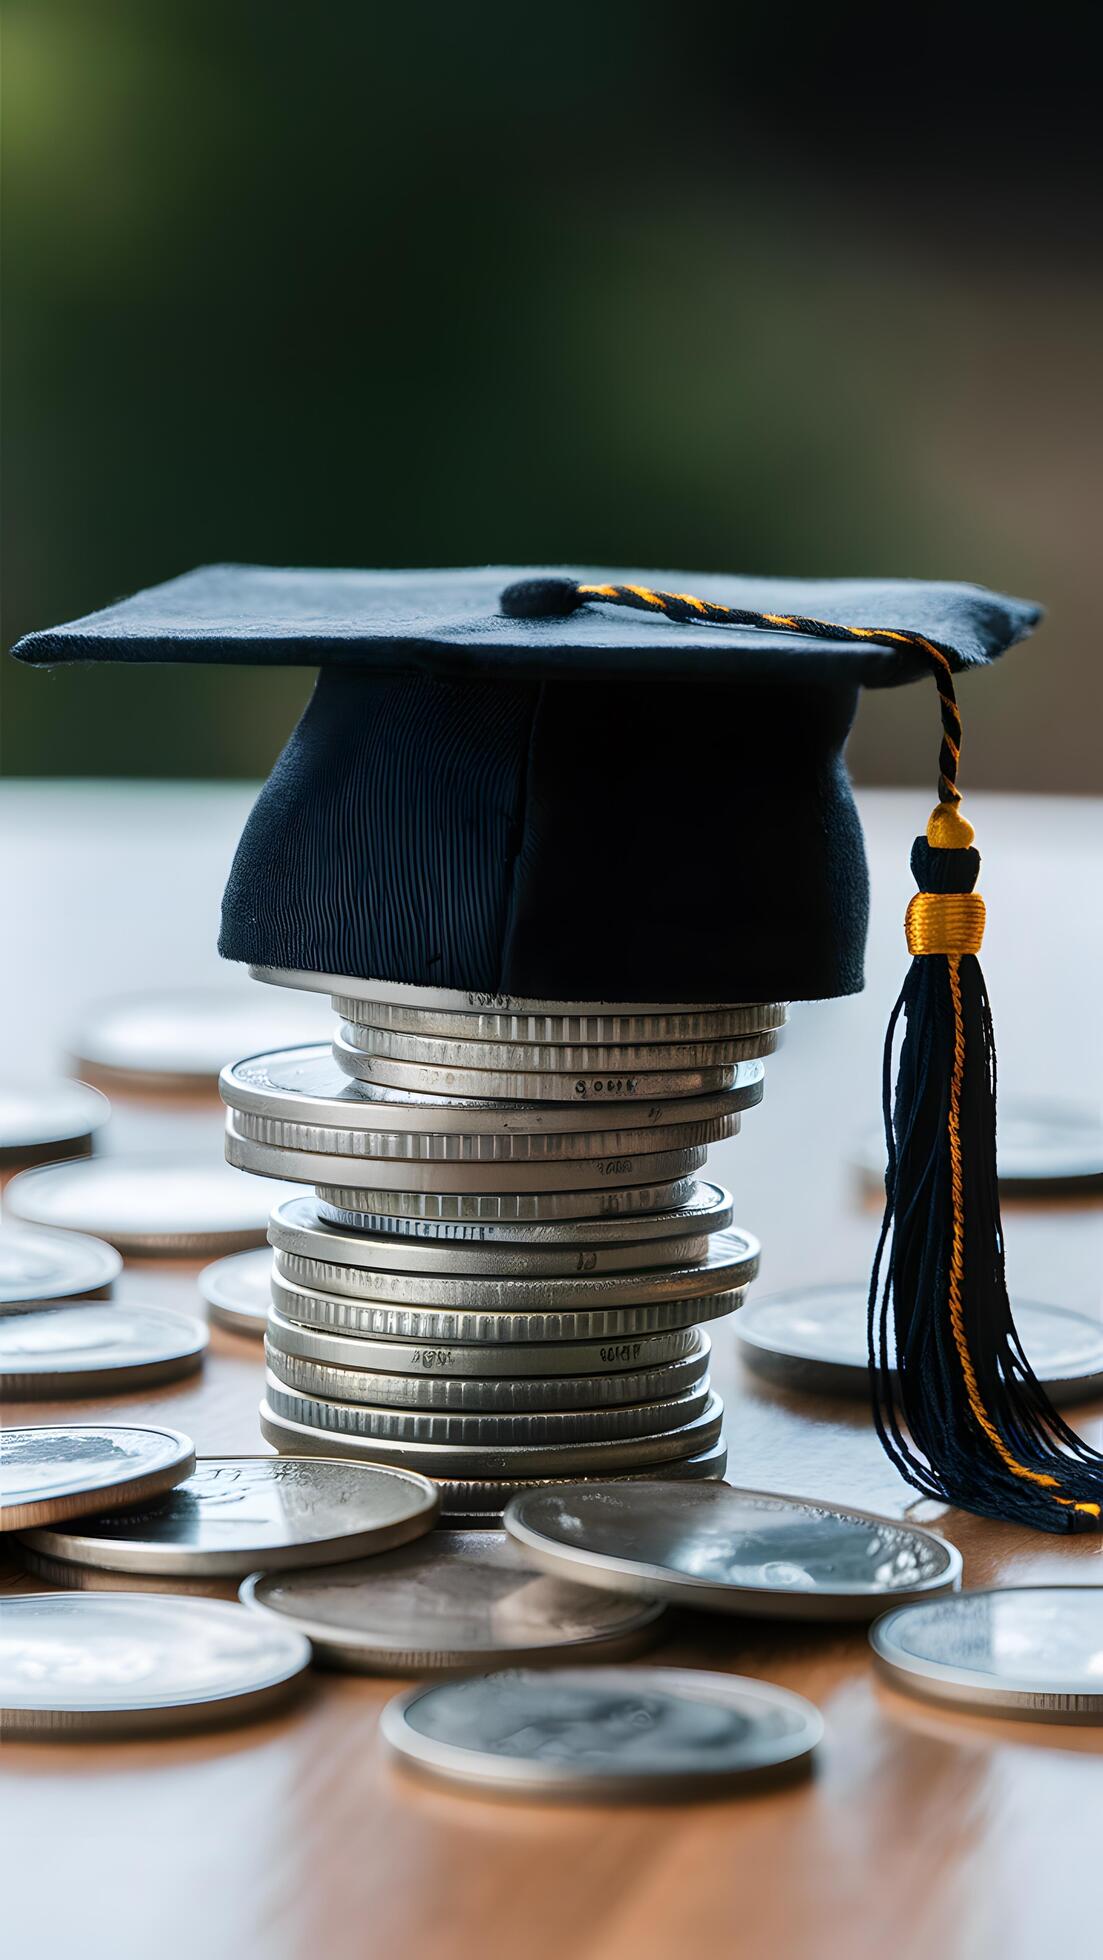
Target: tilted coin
<point>133,1663</point>
<point>814,1338</point>
<point>403,994</point>
<point>503,1210</point>
<point>42,1121</point>
<point>508,1147</point>
<point>371,1174</point>
<point>51,1471</point>
<point>335,1399</point>
<point>235,1513</point>
<point>339,1313</point>
<point>180,1039</point>
<point>551,1058</point>
<point>603,1733</point>
<point>491,1459</point>
<point>509,1361</point>
<point>305,1086</point>
<point>454,1600</point>
<point>38,1268</point>
<point>706,1208</point>
<point>1040,1146</point>
<point>238,1290</point>
<point>1030,1651</point>
<point>733,1551</point>
<point>161,1202</point>
<point>577,1089</point>
<point>567,1026</point>
<point>93,1348</point>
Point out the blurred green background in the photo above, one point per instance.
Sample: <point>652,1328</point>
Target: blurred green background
<point>603,283</point>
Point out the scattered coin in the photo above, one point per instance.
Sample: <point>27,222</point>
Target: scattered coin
<point>627,1202</point>
<point>453,1600</point>
<point>1040,1147</point>
<point>238,1290</point>
<point>551,1058</point>
<point>159,1203</point>
<point>603,1732</point>
<point>732,1551</point>
<point>52,1471</point>
<point>514,1360</point>
<point>180,1040</point>
<point>48,1353</point>
<point>814,1338</point>
<point>133,1663</point>
<point>568,1026</point>
<point>1028,1651</point>
<point>235,1513</point>
<point>39,1267</point>
<point>43,1121</point>
<point>707,1208</point>
<point>470,1083</point>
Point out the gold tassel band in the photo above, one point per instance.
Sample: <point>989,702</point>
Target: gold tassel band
<point>945,922</point>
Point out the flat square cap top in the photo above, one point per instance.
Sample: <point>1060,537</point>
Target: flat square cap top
<point>450,624</point>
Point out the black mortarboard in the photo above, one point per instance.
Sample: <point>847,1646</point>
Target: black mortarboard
<point>629,786</point>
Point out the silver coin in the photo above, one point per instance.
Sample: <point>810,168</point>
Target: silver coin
<point>549,1058</point>
<point>305,1086</point>
<point>454,1600</point>
<point>814,1338</point>
<point>490,1459</point>
<point>1040,1146</point>
<point>603,1733</point>
<point>41,1121</point>
<point>181,1039</point>
<point>555,1089</point>
<point>38,1268</point>
<point>733,1551</point>
<point>372,1174</point>
<point>340,1395</point>
<point>461,1393</point>
<point>236,1513</point>
<point>56,1470</point>
<point>156,1203</point>
<point>132,1663</point>
<point>484,1362</point>
<point>296,1228</point>
<point>568,1026</point>
<point>505,1209</point>
<point>338,1313</point>
<point>49,1353</point>
<point>542,1147</point>
<point>238,1290</point>
<point>403,994</point>
<point>707,1209</point>
<point>730,1259</point>
<point>1030,1651</point>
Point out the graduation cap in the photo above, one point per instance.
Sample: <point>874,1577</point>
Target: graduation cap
<point>629,787</point>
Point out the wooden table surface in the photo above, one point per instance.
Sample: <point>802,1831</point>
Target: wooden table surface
<point>920,1832</point>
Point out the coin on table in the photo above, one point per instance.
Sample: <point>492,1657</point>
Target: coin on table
<point>628,1203</point>
<point>490,1459</point>
<point>81,1663</point>
<point>814,1338</point>
<point>707,1208</point>
<point>1040,1147</point>
<point>371,1174</point>
<point>339,1313</point>
<point>237,1513</point>
<point>238,1290</point>
<point>304,1086</point>
<point>159,1203</point>
<point>180,1040</point>
<point>512,1360</point>
<point>39,1267</point>
<point>643,1086</point>
<point>603,1733</point>
<point>732,1551</point>
<point>51,1471</point>
<point>665,1025</point>
<point>1029,1651</point>
<point>485,1498</point>
<point>453,1600</point>
<point>551,1058</point>
<point>49,1353</point>
<point>43,1121</point>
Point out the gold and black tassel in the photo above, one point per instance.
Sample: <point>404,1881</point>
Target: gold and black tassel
<point>966,1419</point>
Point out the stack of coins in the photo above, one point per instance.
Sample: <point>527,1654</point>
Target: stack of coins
<point>505,1272</point>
